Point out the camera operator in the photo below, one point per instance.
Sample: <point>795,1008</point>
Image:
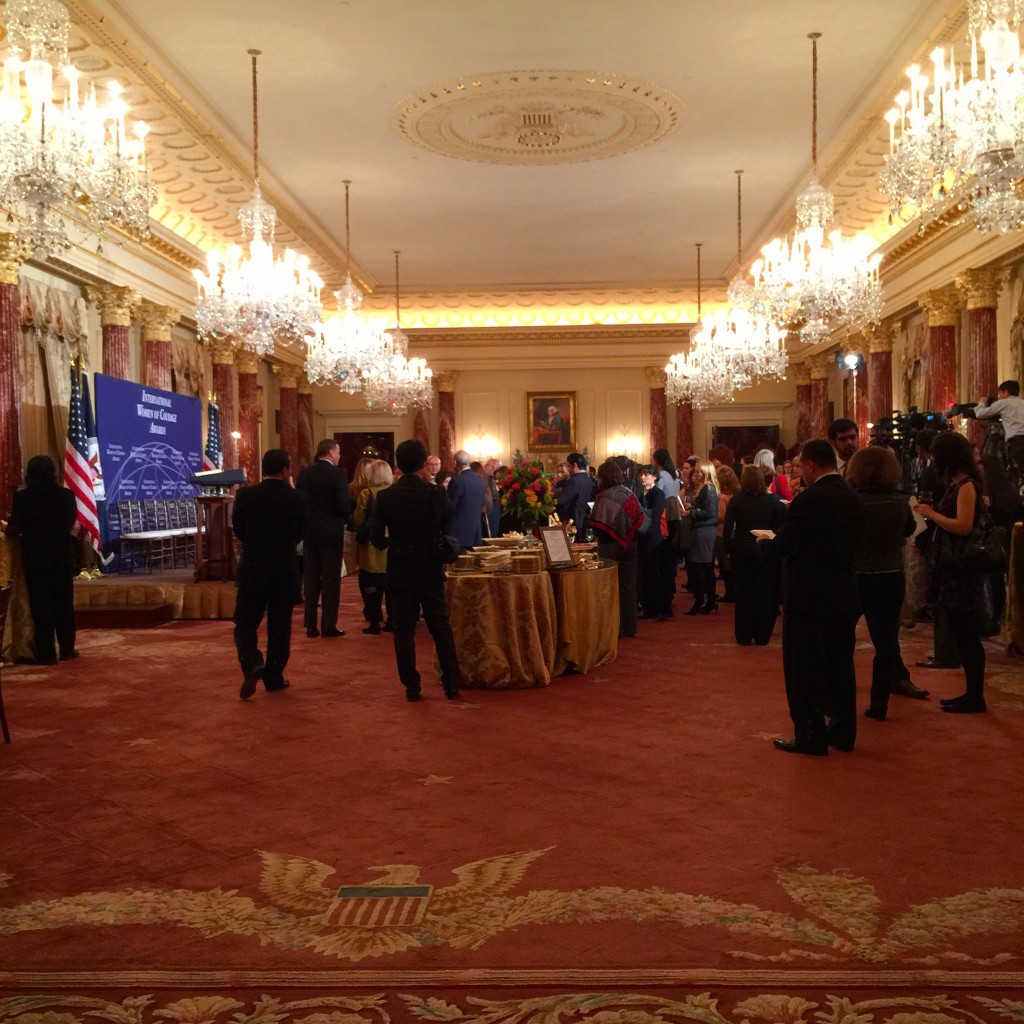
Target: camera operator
<point>1008,407</point>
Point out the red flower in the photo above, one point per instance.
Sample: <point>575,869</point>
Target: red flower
<point>517,486</point>
<point>538,486</point>
<point>534,470</point>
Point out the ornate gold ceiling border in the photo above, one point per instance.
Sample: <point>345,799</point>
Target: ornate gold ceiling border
<point>594,335</point>
<point>201,179</point>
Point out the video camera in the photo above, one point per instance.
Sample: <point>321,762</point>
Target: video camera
<point>898,431</point>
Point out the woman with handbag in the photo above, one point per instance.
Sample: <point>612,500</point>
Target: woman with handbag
<point>372,562</point>
<point>957,584</point>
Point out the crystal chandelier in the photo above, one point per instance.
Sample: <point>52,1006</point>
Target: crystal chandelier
<point>64,153</point>
<point>348,349</point>
<point>257,296</point>
<point>404,382</point>
<point>961,143</point>
<point>817,283</point>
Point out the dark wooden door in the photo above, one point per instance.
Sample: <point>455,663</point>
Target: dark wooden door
<point>356,446</point>
<point>745,440</point>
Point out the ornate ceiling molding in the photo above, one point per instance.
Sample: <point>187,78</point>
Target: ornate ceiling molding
<point>537,117</point>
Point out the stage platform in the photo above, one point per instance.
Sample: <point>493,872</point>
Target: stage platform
<point>188,599</point>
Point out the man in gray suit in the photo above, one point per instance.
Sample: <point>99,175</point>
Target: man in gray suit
<point>466,492</point>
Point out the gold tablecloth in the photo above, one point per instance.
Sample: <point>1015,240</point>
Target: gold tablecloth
<point>587,606</point>
<point>1015,593</point>
<point>505,629</point>
<point>18,641</point>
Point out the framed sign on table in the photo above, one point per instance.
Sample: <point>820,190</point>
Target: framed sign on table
<point>552,419</point>
<point>557,547</point>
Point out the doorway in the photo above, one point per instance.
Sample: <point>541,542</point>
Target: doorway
<point>745,440</point>
<point>360,445</point>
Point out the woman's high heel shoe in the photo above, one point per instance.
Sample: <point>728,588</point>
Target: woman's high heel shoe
<point>709,608</point>
<point>697,609</point>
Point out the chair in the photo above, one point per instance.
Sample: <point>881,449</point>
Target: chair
<point>5,603</point>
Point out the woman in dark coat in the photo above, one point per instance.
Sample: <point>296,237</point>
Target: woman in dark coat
<point>656,603</point>
<point>42,515</point>
<point>875,474</point>
<point>960,592</point>
<point>703,517</point>
<point>755,572</point>
<point>615,518</point>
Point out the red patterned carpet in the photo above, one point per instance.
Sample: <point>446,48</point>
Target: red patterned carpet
<point>624,847</point>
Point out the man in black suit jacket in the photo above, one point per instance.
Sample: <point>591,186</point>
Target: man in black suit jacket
<point>820,605</point>
<point>269,519</point>
<point>408,517</point>
<point>574,494</point>
<point>325,485</point>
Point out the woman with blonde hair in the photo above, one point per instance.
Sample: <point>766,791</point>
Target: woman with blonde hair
<point>359,484</point>
<point>373,562</point>
<point>703,517</point>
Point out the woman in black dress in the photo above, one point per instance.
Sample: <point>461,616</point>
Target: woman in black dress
<point>755,572</point>
<point>655,602</point>
<point>42,515</point>
<point>960,592</point>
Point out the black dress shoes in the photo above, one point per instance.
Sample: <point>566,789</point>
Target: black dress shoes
<point>792,747</point>
<point>251,679</point>
<point>70,656</point>
<point>312,633</point>
<point>451,692</point>
<point>877,712</point>
<point>905,688</point>
<point>333,632</point>
<point>279,684</point>
<point>412,696</point>
<point>930,662</point>
<point>964,705</point>
<point>373,630</point>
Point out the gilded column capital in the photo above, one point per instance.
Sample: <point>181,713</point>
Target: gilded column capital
<point>981,287</point>
<point>157,321</point>
<point>941,305</point>
<point>289,374</point>
<point>304,387</point>
<point>13,254</point>
<point>655,376</point>
<point>247,361</point>
<point>820,367</point>
<point>221,352</point>
<point>802,372</point>
<point>115,303</point>
<point>878,337</point>
<point>445,380</point>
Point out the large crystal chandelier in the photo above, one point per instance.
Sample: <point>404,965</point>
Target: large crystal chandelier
<point>348,349</point>
<point>404,382</point>
<point>64,152</point>
<point>257,296</point>
<point>960,143</point>
<point>816,283</point>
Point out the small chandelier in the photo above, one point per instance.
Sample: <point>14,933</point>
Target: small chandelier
<point>960,144</point>
<point>812,282</point>
<point>257,296</point>
<point>404,382</point>
<point>78,156</point>
<point>348,349</point>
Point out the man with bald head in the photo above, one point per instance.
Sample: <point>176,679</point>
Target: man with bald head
<point>467,492</point>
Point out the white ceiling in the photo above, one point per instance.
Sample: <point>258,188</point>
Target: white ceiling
<point>333,70</point>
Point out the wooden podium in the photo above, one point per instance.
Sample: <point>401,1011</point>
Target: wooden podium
<point>215,539</point>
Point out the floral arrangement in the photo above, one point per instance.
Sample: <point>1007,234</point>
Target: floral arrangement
<point>527,494</point>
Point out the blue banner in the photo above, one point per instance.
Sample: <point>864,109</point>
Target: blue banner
<point>151,442</point>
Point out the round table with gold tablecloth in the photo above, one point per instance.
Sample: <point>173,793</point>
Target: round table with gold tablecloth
<point>18,641</point>
<point>505,629</point>
<point>587,607</point>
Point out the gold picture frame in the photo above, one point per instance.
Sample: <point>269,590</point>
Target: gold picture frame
<point>551,421</point>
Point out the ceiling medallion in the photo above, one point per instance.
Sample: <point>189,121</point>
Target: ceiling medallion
<point>537,117</point>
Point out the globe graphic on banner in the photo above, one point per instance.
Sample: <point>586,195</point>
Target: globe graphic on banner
<point>154,470</point>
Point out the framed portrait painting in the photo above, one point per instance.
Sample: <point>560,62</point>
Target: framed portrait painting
<point>551,416</point>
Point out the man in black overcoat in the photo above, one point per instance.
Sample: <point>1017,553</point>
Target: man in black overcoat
<point>325,485</point>
<point>269,519</point>
<point>408,518</point>
<point>820,605</point>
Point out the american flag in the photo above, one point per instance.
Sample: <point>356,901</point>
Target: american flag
<point>79,473</point>
<point>211,455</point>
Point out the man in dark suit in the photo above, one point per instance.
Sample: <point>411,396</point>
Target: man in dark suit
<point>325,486</point>
<point>408,518</point>
<point>571,500</point>
<point>466,492</point>
<point>269,519</point>
<point>820,605</point>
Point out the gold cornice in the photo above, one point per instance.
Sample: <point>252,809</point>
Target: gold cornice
<point>289,375</point>
<point>941,305</point>
<point>222,352</point>
<point>802,374</point>
<point>878,337</point>
<point>116,303</point>
<point>655,376</point>
<point>247,361</point>
<point>157,321</point>
<point>445,380</point>
<point>982,286</point>
<point>589,334</point>
<point>820,366</point>
<point>12,255</point>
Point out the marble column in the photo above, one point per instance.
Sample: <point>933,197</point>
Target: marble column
<point>981,288</point>
<point>304,416</point>
<point>446,445</point>
<point>116,305</point>
<point>802,373</point>
<point>860,382</point>
<point>659,411</point>
<point>941,306</point>
<point>421,428</point>
<point>289,407</point>
<point>248,365</point>
<point>880,402</point>
<point>12,254</point>
<point>157,322</point>
<point>223,357</point>
<point>819,397</point>
<point>684,432</point>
